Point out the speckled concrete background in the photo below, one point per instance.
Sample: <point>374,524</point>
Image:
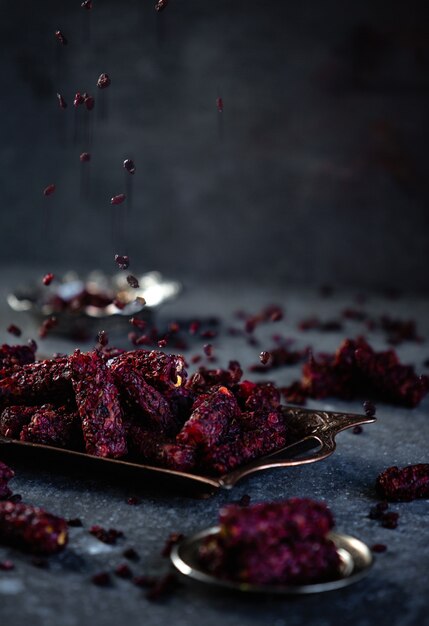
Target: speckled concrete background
<point>321,171</point>
<point>395,590</point>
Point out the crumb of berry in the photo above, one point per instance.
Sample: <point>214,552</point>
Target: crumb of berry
<point>102,579</point>
<point>6,566</point>
<point>129,166</point>
<point>264,357</point>
<point>369,408</point>
<point>102,338</point>
<point>389,519</point>
<point>14,330</point>
<point>132,281</point>
<point>208,349</point>
<point>78,99</point>
<point>85,157</point>
<point>172,540</point>
<point>357,430</point>
<point>47,326</point>
<point>131,554</point>
<point>49,190</point>
<point>89,101</point>
<point>106,536</point>
<point>75,522</point>
<point>103,81</point>
<point>47,279</point>
<point>160,5</point>
<point>123,571</point>
<point>86,4</point>
<point>61,102</point>
<point>61,37</point>
<point>162,343</point>
<point>379,548</point>
<point>118,199</point>
<point>219,105</point>
<point>133,501</point>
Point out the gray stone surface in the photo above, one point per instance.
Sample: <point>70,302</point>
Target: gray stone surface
<point>395,590</point>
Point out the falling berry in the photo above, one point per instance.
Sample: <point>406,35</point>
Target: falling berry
<point>47,279</point>
<point>61,102</point>
<point>60,37</point>
<point>86,4</point>
<point>208,349</point>
<point>162,343</point>
<point>118,199</point>
<point>264,357</point>
<point>129,166</point>
<point>14,330</point>
<point>49,190</point>
<point>85,157</point>
<point>89,101</point>
<point>219,104</point>
<point>78,99</point>
<point>47,326</point>
<point>103,81</point>
<point>132,281</point>
<point>160,5</point>
<point>103,338</point>
<point>122,261</point>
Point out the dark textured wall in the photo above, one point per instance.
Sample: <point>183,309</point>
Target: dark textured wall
<point>317,170</point>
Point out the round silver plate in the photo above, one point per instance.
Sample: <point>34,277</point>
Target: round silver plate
<point>356,560</point>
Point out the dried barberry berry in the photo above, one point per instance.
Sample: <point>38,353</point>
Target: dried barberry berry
<point>357,430</point>
<point>379,548</point>
<point>123,571</point>
<point>131,554</point>
<point>89,101</point>
<point>47,279</point>
<point>48,324</point>
<point>102,579</point>
<point>160,5</point>
<point>31,528</point>
<point>14,330</point>
<point>49,190</point>
<point>85,157</point>
<point>133,282</point>
<point>404,484</point>
<point>61,102</point>
<point>129,166</point>
<point>102,338</point>
<point>208,349</point>
<point>118,199</point>
<point>61,37</point>
<point>6,566</point>
<point>86,4</point>
<point>133,501</point>
<point>103,81</point>
<point>78,99</point>
<point>144,581</point>
<point>172,540</point>
<point>194,327</point>
<point>219,105</point>
<point>109,536</point>
<point>54,426</point>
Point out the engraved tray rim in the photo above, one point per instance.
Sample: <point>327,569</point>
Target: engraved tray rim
<point>308,426</point>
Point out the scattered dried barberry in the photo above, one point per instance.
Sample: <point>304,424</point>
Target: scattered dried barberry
<point>85,157</point>
<point>6,566</point>
<point>118,199</point>
<point>61,37</point>
<point>47,279</point>
<point>78,99</point>
<point>109,536</point>
<point>123,571</point>
<point>129,166</point>
<point>86,4</point>
<point>219,105</point>
<point>103,81</point>
<point>14,330</point>
<point>369,408</point>
<point>49,190</point>
<point>48,324</point>
<point>89,101</point>
<point>172,540</point>
<point>160,5</point>
<point>61,102</point>
<point>132,281</point>
<point>102,579</point>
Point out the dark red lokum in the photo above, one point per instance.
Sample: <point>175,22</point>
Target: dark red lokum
<point>404,484</point>
<point>278,543</point>
<point>155,409</point>
<point>47,279</point>
<point>85,157</point>
<point>47,325</point>
<point>262,397</point>
<point>54,426</point>
<point>49,190</point>
<point>31,528</point>
<point>278,357</point>
<point>133,282</point>
<point>219,105</point>
<point>12,357</point>
<point>37,383</point>
<point>160,370</point>
<point>6,474</point>
<point>155,450</point>
<point>210,420</point>
<point>204,379</point>
<point>97,399</point>
<point>89,101</point>
<point>14,418</point>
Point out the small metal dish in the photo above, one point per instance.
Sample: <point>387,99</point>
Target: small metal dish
<point>355,556</point>
<point>97,308</point>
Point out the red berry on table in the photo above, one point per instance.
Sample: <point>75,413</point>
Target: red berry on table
<point>118,199</point>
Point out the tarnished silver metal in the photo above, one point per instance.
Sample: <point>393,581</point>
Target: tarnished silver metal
<point>355,562</point>
<point>38,300</point>
<point>311,438</point>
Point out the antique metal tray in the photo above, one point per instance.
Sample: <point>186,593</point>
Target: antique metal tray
<point>355,562</point>
<point>312,438</point>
